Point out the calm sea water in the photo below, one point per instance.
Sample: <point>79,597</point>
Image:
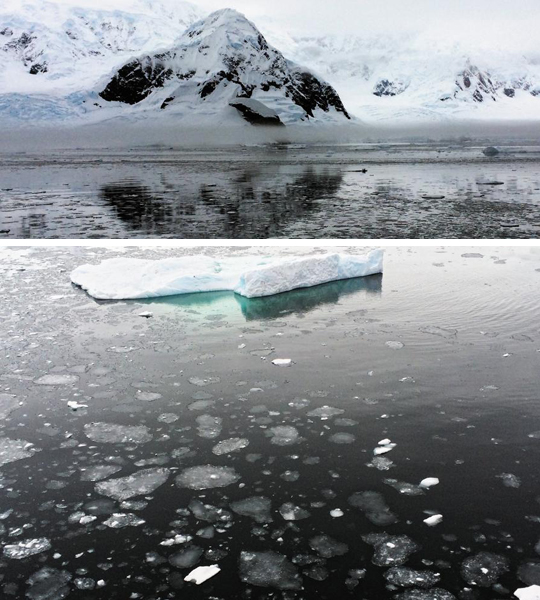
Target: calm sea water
<point>440,356</point>
<point>370,191</point>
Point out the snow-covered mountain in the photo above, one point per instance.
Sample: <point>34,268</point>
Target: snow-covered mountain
<point>168,59</point>
<point>220,62</point>
<point>47,47</point>
<point>421,76</point>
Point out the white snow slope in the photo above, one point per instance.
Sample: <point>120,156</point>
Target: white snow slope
<point>52,54</point>
<point>129,278</point>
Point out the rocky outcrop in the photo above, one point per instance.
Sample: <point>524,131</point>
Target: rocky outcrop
<point>256,112</point>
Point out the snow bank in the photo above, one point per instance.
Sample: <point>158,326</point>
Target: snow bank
<point>130,278</point>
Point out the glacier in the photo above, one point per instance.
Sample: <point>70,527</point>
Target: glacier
<point>130,278</point>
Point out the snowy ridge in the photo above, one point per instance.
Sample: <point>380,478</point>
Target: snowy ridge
<point>128,278</point>
<point>217,60</point>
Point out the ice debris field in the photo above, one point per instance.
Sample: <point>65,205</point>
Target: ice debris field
<point>132,278</point>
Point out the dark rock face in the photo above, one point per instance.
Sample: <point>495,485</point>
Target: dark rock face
<point>310,93</point>
<point>254,117</point>
<point>389,88</point>
<point>482,86</point>
<point>136,80</point>
<point>38,68</point>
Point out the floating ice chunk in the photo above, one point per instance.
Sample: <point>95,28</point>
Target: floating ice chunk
<point>256,507</point>
<point>282,362</point>
<point>372,504</point>
<point>130,278</point>
<point>483,569</point>
<point>405,577</point>
<point>284,435</point>
<point>529,572</point>
<point>342,438</point>
<point>207,512</point>
<point>147,396</point>
<point>146,314</point>
<point>84,583</point>
<point>433,520</point>
<point>269,569</point>
<point>510,480</point>
<point>407,489</point>
<point>390,550</point>
<point>327,547</point>
<point>429,482</point>
<point>325,412</point>
<point>120,520</point>
<point>230,445</point>
<point>291,512</point>
<point>57,379</point>
<point>26,548</point>
<point>113,433</point>
<point>205,477</point>
<point>48,584</point>
<point>384,449</point>
<point>141,483</point>
<point>98,472</point>
<point>202,574</point>
<point>168,418</point>
<point>186,558</point>
<point>385,442</point>
<point>381,463</point>
<point>336,512</point>
<point>395,345</point>
<point>529,593</point>
<point>209,427</point>
<point>74,405</point>
<point>12,450</point>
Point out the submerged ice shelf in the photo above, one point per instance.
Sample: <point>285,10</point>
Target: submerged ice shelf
<point>129,278</point>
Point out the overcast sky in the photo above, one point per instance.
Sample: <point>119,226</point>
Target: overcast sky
<point>498,20</point>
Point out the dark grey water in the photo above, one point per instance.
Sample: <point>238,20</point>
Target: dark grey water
<point>406,191</point>
<point>440,356</point>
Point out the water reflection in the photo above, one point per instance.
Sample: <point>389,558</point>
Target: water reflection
<point>269,307</point>
<point>249,202</point>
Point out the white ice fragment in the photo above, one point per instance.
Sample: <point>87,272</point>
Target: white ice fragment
<point>202,574</point>
<point>336,512</point>
<point>529,593</point>
<point>131,278</point>
<point>429,482</point>
<point>74,405</point>
<point>146,314</point>
<point>282,362</point>
<point>383,449</point>
<point>57,379</point>
<point>385,442</point>
<point>26,548</point>
<point>395,345</point>
<point>433,520</point>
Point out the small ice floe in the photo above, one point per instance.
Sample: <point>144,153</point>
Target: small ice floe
<point>325,412</point>
<point>186,558</point>
<point>141,483</point>
<point>405,577</point>
<point>98,472</point>
<point>327,547</point>
<point>429,482</point>
<point>145,396</point>
<point>113,433</point>
<point>74,405</point>
<point>373,505</point>
<point>269,569</point>
<point>120,520</point>
<point>209,427</point>
<point>230,445</point>
<point>12,450</point>
<point>284,435</point>
<point>57,379</point>
<point>146,314</point>
<point>510,480</point>
<point>433,520</point>
<point>407,489</point>
<point>256,507</point>
<point>26,548</point>
<point>291,512</point>
<point>48,584</point>
<point>282,362</point>
<point>206,477</point>
<point>202,574</point>
<point>395,345</point>
<point>529,593</point>
<point>342,438</point>
<point>381,463</point>
<point>336,512</point>
<point>484,569</point>
<point>390,550</point>
<point>384,447</point>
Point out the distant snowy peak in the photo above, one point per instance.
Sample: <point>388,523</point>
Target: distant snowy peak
<point>218,60</point>
<point>48,37</point>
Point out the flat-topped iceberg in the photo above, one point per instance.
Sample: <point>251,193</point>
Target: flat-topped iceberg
<point>131,278</point>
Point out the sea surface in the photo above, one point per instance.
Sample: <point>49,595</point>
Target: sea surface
<point>369,191</point>
<point>142,439</point>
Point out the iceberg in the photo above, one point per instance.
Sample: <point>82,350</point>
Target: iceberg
<point>251,277</point>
